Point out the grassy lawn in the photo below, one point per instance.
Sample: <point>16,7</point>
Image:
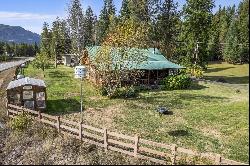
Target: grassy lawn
<point>233,74</point>
<point>207,117</point>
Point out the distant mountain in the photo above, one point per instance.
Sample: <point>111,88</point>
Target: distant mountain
<point>17,34</point>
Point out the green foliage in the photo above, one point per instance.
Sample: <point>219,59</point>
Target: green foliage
<point>3,58</point>
<point>41,62</point>
<point>196,26</point>
<point>46,41</point>
<point>76,23</point>
<point>89,25</point>
<point>231,52</point>
<point>177,82</point>
<point>166,28</point>
<point>122,92</point>
<point>104,22</point>
<point>195,71</point>
<point>20,50</point>
<point>20,122</point>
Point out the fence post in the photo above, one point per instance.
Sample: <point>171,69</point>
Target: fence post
<point>136,145</point>
<point>22,110</point>
<point>80,131</point>
<point>105,137</point>
<point>7,109</point>
<point>218,159</point>
<point>58,124</point>
<point>173,158</point>
<point>39,115</point>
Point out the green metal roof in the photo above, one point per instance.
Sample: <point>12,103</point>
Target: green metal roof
<point>152,58</point>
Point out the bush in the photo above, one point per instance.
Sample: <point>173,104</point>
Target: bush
<point>181,81</point>
<point>195,71</point>
<point>123,92</point>
<point>20,122</point>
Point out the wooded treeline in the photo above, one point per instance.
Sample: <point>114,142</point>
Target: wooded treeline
<point>20,50</point>
<point>192,35</point>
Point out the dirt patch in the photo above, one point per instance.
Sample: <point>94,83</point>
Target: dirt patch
<point>103,117</point>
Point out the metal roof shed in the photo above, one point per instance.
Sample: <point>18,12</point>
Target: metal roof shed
<point>27,92</point>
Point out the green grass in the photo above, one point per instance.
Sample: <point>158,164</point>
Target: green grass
<point>233,74</point>
<point>207,117</point>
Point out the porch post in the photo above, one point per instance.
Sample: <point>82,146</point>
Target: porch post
<point>157,74</point>
<point>148,76</point>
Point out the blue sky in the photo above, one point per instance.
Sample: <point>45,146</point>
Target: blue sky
<point>30,14</point>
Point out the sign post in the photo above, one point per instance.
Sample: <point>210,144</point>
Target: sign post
<point>80,72</point>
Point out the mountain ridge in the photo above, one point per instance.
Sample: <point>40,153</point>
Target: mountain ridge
<point>17,34</point>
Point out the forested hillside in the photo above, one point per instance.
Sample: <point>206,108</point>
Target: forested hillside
<point>18,35</point>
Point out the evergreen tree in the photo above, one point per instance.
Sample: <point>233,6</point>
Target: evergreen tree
<point>106,14</point>
<point>110,7</point>
<point>197,21</point>
<point>139,10</point>
<point>231,52</point>
<point>46,40</point>
<point>65,36</point>
<point>167,26</point>
<point>243,27</point>
<point>76,23</point>
<point>125,12</point>
<point>89,24</point>
<point>56,40</point>
<point>214,46</point>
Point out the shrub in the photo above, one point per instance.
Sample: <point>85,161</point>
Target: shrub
<point>181,81</point>
<point>195,71</point>
<point>122,92</point>
<point>20,122</point>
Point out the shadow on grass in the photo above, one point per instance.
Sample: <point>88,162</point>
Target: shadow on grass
<point>57,74</point>
<point>214,70</point>
<point>178,133</point>
<point>62,106</point>
<point>177,101</point>
<point>230,80</point>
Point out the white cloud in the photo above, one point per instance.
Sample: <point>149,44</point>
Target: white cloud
<point>24,16</point>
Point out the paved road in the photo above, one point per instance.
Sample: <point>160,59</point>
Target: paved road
<point>8,65</point>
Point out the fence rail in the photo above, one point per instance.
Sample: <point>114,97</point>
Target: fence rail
<point>133,146</point>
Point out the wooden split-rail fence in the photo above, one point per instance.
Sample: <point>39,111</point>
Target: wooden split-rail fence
<point>133,146</point>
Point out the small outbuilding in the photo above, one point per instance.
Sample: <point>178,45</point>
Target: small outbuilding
<point>27,92</point>
<point>69,59</point>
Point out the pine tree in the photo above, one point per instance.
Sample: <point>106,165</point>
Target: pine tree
<point>167,26</point>
<point>107,13</point>
<point>214,46</point>
<point>231,52</point>
<point>46,40</point>
<point>56,40</point>
<point>197,22</point>
<point>89,27</point>
<point>110,7</point>
<point>65,32</point>
<point>76,23</point>
<point>139,10</point>
<point>125,12</point>
<point>243,27</point>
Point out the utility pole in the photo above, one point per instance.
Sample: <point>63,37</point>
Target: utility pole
<point>55,54</point>
<point>196,52</point>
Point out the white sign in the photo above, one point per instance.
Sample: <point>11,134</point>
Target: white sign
<point>40,96</point>
<point>27,87</point>
<point>80,71</point>
<point>27,95</point>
